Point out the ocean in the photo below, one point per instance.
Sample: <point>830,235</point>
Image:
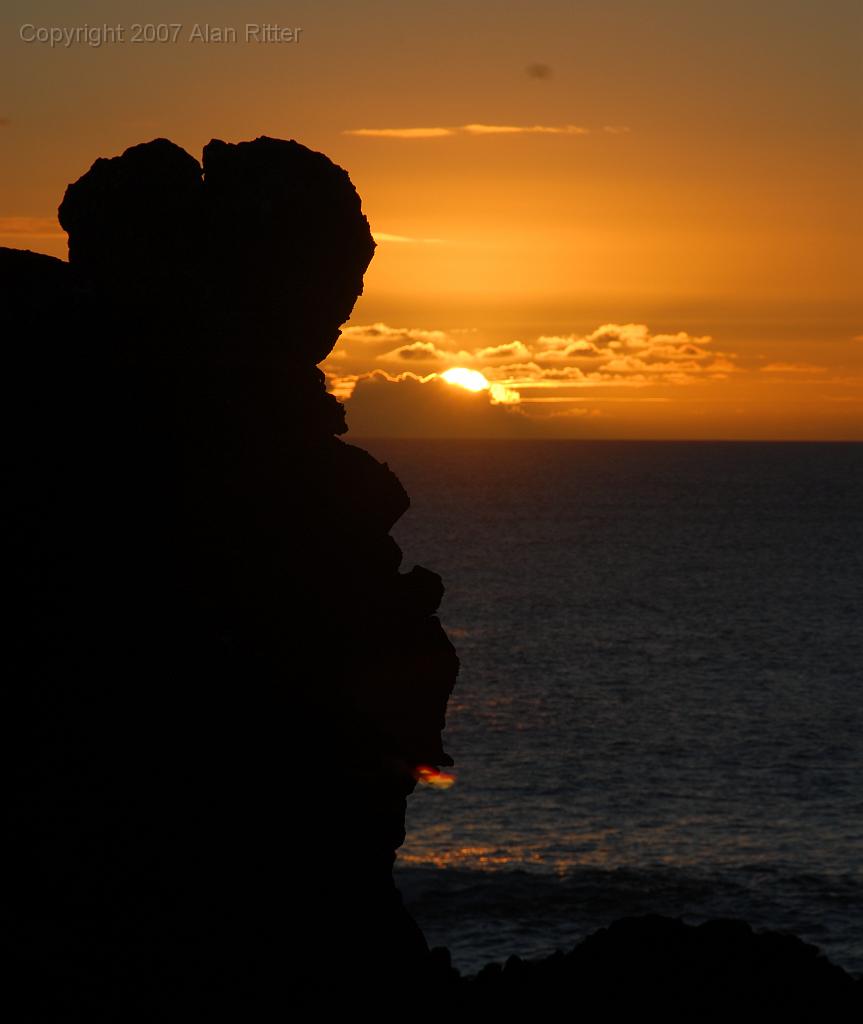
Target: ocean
<point>660,707</point>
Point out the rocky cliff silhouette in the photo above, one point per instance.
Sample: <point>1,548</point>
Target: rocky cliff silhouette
<point>222,682</point>
<point>225,682</point>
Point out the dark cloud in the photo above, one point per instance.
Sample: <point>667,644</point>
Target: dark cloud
<point>511,350</point>
<point>538,71</point>
<point>419,350</point>
<point>410,406</point>
<point>422,352</point>
<point>5,122</point>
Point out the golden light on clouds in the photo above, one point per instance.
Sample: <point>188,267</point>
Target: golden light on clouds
<point>611,356</point>
<point>617,380</point>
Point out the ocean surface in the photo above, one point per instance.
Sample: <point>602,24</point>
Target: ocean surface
<point>660,707</point>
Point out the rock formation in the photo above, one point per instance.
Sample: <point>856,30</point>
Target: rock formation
<point>224,683</point>
<point>655,966</point>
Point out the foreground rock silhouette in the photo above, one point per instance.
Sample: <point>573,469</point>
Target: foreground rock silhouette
<point>223,683</point>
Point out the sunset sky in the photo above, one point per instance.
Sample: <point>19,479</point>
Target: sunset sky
<point>635,218</point>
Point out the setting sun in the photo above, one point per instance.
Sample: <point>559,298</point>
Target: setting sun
<point>472,380</point>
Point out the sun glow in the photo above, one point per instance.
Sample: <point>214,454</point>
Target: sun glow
<point>471,380</point>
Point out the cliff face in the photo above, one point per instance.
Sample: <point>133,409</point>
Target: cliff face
<point>224,684</point>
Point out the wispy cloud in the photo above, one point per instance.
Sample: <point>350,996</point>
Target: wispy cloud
<point>628,399</point>
<point>30,227</point>
<point>479,129</point>
<point>401,133</point>
<point>525,129</point>
<point>383,236</point>
<point>793,368</point>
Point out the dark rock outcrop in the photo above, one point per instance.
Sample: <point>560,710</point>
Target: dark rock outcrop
<point>660,967</point>
<point>223,685</point>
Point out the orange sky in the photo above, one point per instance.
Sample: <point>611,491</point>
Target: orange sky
<point>641,218</point>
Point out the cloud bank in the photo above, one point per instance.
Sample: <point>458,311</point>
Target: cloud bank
<point>611,355</point>
<point>395,379</point>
